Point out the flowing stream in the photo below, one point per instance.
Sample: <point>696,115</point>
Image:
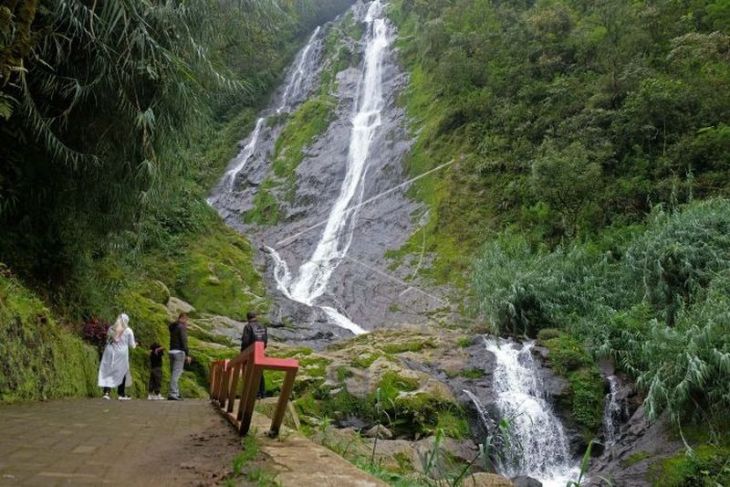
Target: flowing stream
<point>538,446</point>
<point>612,411</point>
<point>334,242</point>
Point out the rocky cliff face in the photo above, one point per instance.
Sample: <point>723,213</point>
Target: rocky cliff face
<point>292,169</point>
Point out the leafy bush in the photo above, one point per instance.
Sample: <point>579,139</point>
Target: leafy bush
<point>94,332</point>
<point>657,302</point>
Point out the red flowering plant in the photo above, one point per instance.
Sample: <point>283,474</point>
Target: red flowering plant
<point>94,332</point>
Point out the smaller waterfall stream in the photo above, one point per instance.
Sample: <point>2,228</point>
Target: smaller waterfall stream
<point>612,411</point>
<point>305,69</point>
<point>538,447</point>
<point>244,156</point>
<point>294,87</point>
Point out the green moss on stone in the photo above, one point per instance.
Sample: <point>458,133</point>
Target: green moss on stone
<point>408,346</point>
<point>38,358</point>
<point>365,360</point>
<point>704,466</point>
<point>216,275</point>
<point>309,121</point>
<point>472,373</point>
<point>568,358</point>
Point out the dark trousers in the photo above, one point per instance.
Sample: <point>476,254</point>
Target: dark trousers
<point>120,388</point>
<point>155,380</point>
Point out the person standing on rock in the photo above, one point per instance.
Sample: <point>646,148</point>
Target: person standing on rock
<point>179,354</point>
<point>114,367</point>
<point>253,332</point>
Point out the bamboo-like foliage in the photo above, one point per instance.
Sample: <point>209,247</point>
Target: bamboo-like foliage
<point>657,301</point>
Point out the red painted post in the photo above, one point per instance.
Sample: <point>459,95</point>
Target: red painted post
<point>249,366</point>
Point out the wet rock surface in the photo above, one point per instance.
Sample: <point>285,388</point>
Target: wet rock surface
<point>640,444</point>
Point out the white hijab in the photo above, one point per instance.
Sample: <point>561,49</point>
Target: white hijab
<point>116,330</point>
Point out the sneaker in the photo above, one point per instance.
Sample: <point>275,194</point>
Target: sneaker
<point>124,398</point>
<point>151,397</point>
<point>106,397</point>
<point>173,398</point>
<point>158,397</point>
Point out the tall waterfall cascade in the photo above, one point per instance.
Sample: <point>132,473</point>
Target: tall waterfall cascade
<point>538,446</point>
<point>334,242</point>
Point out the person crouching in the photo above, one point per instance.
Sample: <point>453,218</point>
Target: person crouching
<point>155,384</point>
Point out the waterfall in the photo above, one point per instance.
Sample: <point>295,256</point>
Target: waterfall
<point>538,446</point>
<point>483,415</point>
<point>304,69</point>
<point>334,242</point>
<point>612,412</point>
<point>244,156</point>
<point>294,86</point>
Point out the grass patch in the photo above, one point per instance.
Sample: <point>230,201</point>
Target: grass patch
<point>704,466</point>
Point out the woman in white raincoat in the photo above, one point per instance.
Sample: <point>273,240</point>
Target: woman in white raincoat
<point>114,368</point>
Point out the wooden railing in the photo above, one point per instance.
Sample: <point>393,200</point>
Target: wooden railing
<point>239,378</point>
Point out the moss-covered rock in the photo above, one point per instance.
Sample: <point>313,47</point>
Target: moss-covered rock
<point>216,276</point>
<point>584,399</point>
<point>154,290</point>
<point>39,359</point>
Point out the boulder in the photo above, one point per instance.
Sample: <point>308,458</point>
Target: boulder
<point>643,443</point>
<point>379,431</point>
<point>175,306</point>
<point>525,481</point>
<point>155,290</point>
<point>483,479</point>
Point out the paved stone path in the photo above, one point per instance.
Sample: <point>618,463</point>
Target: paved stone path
<point>156,443</point>
<point>96,442</point>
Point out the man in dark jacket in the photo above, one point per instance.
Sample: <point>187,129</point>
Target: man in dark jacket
<point>178,354</point>
<point>254,331</point>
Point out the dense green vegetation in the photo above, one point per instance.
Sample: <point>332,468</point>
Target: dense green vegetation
<point>591,150</point>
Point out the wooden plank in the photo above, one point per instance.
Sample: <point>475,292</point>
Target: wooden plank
<point>286,389</point>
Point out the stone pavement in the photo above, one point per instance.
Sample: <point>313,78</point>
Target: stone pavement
<point>300,463</point>
<point>160,443</point>
<point>96,442</point>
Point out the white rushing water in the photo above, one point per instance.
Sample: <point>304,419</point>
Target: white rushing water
<point>612,412</point>
<point>314,274</point>
<point>304,66</point>
<point>480,409</point>
<point>244,156</point>
<point>538,446</point>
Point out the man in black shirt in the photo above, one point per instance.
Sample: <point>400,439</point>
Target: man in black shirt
<point>254,331</point>
<point>179,354</point>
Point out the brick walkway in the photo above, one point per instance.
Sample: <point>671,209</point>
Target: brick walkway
<point>95,442</point>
